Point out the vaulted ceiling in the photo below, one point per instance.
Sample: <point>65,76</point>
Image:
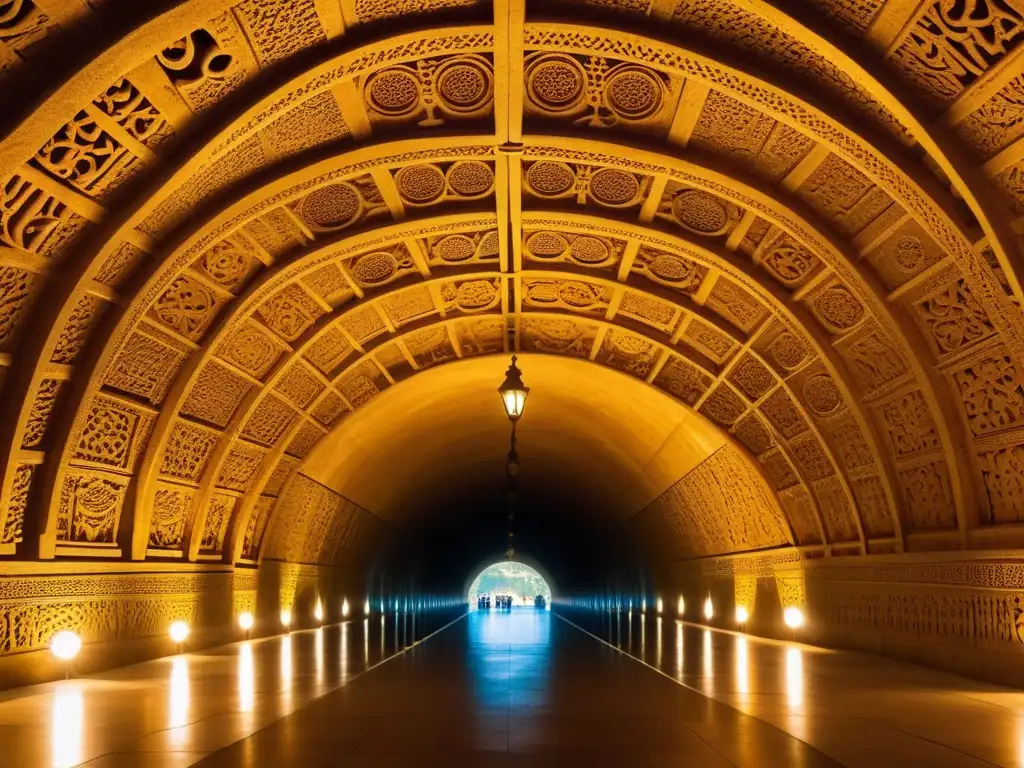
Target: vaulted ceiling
<point>228,228</point>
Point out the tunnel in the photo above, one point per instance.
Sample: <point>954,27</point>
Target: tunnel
<point>749,271</point>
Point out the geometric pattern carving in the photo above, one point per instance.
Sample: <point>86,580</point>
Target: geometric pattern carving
<point>289,312</point>
<point>239,466</point>
<point>909,425</point>
<point>1003,472</point>
<point>299,385</point>
<point>268,421</point>
<point>752,378</point>
<point>954,318</point>
<point>187,307</point>
<point>188,449</point>
<point>992,395</point>
<point>251,349</point>
<point>682,380</point>
<point>723,406</point>
<point>112,435</point>
<point>144,367</point>
<point>927,496</point>
<point>783,414</point>
<point>215,395</point>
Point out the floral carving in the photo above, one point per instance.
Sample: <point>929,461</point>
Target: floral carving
<point>992,396</point>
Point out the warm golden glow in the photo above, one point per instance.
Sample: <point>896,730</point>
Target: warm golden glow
<point>681,606</point>
<point>793,617</point>
<point>180,695</point>
<point>179,631</point>
<point>742,666</point>
<point>742,614</point>
<point>67,726</point>
<point>661,606</point>
<point>65,645</point>
<point>286,617</point>
<point>344,608</point>
<point>246,677</point>
<point>794,677</point>
<point>514,402</point>
<point>318,611</point>
<point>245,621</point>
<point>367,608</point>
<point>709,608</point>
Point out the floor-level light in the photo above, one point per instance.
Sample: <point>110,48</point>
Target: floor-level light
<point>742,614</point>
<point>344,608</point>
<point>286,617</point>
<point>245,621</point>
<point>318,611</point>
<point>65,645</point>
<point>709,608</point>
<point>794,618</point>
<point>661,606</point>
<point>367,608</point>
<point>681,606</point>
<point>179,631</point>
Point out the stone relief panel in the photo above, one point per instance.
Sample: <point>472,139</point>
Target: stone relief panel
<point>991,392</point>
<point>252,349</point>
<point>698,212</point>
<point>590,251</point>
<point>328,350</point>
<point>147,364</point>
<point>268,420</point>
<point>736,305</point>
<point>481,336</point>
<point>608,187</point>
<point>13,523</point>
<point>186,307</point>
<point>683,380</point>
<point>299,385</point>
<point>432,183</point>
<point>800,510</point>
<point>340,205</point>
<point>670,269</point>
<point>471,296</point>
<point>708,340</point>
<point>628,352</point>
<point>215,394</point>
<point>463,248</point>
<point>113,434</point>
<point>953,319</point>
<point>240,466</point>
<point>45,401</point>
<point>18,290</point>
<point>188,450</point>
<point>34,220</point>
<point>722,505</point>
<point>79,325</point>
<point>289,312</point>
<point>843,196</point>
<point>218,513</point>
<point>927,495</point>
<point>90,507</point>
<point>907,252</point>
<point>171,513</point>
<point>361,382</point>
<point>723,405</point>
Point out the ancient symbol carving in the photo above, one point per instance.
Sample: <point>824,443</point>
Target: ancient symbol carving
<point>217,515</point>
<point>420,184</point>
<point>379,267</point>
<point>481,336</point>
<point>998,121</point>
<point>329,409</point>
<point>787,351</point>
<point>72,338</point>
<point>955,42</point>
<point>838,308</point>
<point>472,295</point>
<point>822,395</point>
<point>550,179</point>
<point>926,491</point>
<point>909,253</point>
<point>332,207</point>
<point>39,417</point>
<point>361,383</point>
<point>471,178</point>
<point>90,506</point>
<point>305,438</point>
<point>256,527</point>
<point>800,510</point>
<point>992,396</point>
<point>455,248</point>
<point>778,469</point>
<point>572,294</point>
<point>703,213</point>
<point>187,452</point>
<point>329,349</point>
<point>251,350</point>
<point>187,306</point>
<point>239,467</point>
<point>708,338</point>
<point>289,312</point>
<point>144,367</point>
<point>735,304</point>
<point>1003,472</point>
<point>909,424</point>
<point>789,261</point>
<point>590,250</point>
<point>810,455</point>
<point>835,510</point>
<point>723,405</point>
<point>299,385</point>
<point>268,421</point>
<point>782,412</point>
<point>110,431</point>
<point>22,23</point>
<point>85,155</point>
<point>203,65</point>
<point>668,268</point>
<point>408,305</point>
<point>558,335</point>
<point>682,380</point>
<point>14,523</point>
<point>610,186</point>
<point>752,432</point>
<point>133,112</point>
<point>227,264</point>
<point>29,217</point>
<point>873,506</point>
<point>170,511</point>
<point>605,93</point>
<point>458,85</point>
<point>628,352</point>
<point>852,449</point>
<point>215,395</point>
<point>954,317</point>
<point>752,378</point>
<point>874,360</point>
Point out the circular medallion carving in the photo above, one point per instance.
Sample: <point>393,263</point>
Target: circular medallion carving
<point>455,248</point>
<point>633,93</point>
<point>393,92</point>
<point>788,351</point>
<point>700,212</point>
<point>489,246</point>
<point>465,85</point>
<point>546,245</point>
<point>420,183</point>
<point>839,308</point>
<point>471,178</point>
<point>475,294</point>
<point>578,295</point>
<point>909,253</point>
<point>590,250</point>
<point>549,178</point>
<point>556,82</point>
<point>331,207</point>
<point>614,187</point>
<point>822,395</point>
<point>629,344</point>
<point>374,268</point>
<point>672,268</point>
<point>225,264</point>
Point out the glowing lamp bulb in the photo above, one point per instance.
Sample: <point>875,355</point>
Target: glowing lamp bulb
<point>245,621</point>
<point>366,608</point>
<point>661,606</point>
<point>709,608</point>
<point>681,606</point>
<point>318,611</point>
<point>179,631</point>
<point>65,645</point>
<point>793,617</point>
<point>742,614</point>
<point>344,608</point>
<point>286,617</point>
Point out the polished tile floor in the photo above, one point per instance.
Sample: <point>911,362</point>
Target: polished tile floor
<point>519,688</point>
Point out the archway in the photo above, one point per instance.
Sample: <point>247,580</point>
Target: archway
<point>522,583</point>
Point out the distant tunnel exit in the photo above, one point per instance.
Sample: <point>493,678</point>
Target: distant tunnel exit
<point>516,581</point>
